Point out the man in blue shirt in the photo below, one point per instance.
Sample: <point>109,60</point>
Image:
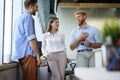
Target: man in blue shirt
<point>84,38</point>
<point>25,48</point>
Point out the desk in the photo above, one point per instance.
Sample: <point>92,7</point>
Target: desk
<point>96,74</point>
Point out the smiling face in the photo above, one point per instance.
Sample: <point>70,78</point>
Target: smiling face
<point>55,24</point>
<point>80,19</point>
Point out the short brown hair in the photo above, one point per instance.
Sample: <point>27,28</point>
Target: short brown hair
<point>80,12</point>
<point>27,3</point>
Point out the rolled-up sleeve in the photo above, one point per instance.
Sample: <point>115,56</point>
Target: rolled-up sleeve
<point>30,37</point>
<point>29,28</point>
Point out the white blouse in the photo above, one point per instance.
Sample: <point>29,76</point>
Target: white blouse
<point>53,43</point>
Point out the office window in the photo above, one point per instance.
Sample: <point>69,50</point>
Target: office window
<point>7,30</point>
<point>1,29</point>
<point>13,9</point>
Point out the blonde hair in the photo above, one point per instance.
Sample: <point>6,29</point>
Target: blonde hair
<point>80,12</point>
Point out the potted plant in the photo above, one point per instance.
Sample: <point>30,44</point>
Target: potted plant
<point>111,28</point>
<point>111,36</point>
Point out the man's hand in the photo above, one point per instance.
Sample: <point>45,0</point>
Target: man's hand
<point>83,36</point>
<point>39,61</point>
<point>86,43</point>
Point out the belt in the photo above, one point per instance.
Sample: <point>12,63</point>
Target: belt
<point>84,50</point>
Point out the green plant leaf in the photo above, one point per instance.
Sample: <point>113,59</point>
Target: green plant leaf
<point>111,27</point>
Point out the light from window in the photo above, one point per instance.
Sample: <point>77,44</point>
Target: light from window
<point>7,31</point>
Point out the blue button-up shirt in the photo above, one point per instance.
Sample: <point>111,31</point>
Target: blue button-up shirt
<point>94,36</point>
<point>23,32</point>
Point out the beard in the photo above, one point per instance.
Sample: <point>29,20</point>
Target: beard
<point>33,13</point>
<point>81,22</point>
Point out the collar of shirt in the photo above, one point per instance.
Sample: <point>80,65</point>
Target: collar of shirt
<point>83,27</point>
<point>27,12</point>
<point>51,34</point>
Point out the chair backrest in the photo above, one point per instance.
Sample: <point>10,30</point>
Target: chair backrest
<point>72,65</point>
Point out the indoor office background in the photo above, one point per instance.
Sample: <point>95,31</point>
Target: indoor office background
<point>11,10</point>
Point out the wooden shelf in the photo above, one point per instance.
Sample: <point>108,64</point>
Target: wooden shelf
<point>94,5</point>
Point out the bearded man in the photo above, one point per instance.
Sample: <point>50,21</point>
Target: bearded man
<point>84,39</point>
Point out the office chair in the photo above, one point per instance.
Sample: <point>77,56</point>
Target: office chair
<point>69,72</point>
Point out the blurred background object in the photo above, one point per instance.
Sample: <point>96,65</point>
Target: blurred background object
<point>111,39</point>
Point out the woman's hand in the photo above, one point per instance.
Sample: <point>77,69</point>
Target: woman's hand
<point>68,60</point>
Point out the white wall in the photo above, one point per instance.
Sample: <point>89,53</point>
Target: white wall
<point>67,24</point>
<point>38,28</point>
<point>96,17</point>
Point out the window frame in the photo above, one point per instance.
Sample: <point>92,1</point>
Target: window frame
<point>12,18</point>
<point>2,19</point>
